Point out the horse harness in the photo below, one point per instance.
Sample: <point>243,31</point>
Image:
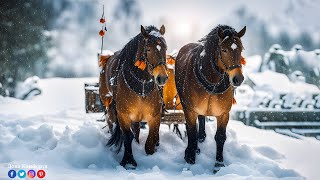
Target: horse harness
<point>212,88</point>
<point>142,87</point>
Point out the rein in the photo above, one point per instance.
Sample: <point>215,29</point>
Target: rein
<point>230,68</point>
<point>144,57</point>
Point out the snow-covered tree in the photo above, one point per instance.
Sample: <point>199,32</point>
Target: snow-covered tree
<point>22,41</point>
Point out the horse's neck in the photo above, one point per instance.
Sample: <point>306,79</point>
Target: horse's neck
<point>207,70</point>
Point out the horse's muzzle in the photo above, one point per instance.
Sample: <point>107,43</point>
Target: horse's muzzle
<point>237,80</point>
<point>161,80</point>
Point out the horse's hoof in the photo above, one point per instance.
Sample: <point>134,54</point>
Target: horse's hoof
<point>202,137</point>
<point>128,163</point>
<point>190,156</point>
<point>150,152</point>
<point>217,166</point>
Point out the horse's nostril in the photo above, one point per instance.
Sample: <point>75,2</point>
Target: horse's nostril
<point>235,80</point>
<point>158,79</point>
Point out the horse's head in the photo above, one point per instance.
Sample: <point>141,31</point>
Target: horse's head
<point>229,54</point>
<point>154,49</point>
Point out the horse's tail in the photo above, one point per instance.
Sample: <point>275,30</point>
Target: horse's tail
<point>116,139</point>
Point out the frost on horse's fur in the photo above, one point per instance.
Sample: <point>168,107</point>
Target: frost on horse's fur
<point>203,53</point>
<point>155,33</point>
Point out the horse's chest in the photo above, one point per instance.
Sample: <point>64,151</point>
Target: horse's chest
<point>212,105</point>
<point>138,107</point>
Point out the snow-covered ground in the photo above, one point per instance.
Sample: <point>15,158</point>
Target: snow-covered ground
<point>53,130</point>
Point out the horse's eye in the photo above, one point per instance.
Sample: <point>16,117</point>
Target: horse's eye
<point>224,50</point>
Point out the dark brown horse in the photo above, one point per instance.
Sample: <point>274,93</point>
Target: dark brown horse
<point>206,74</point>
<point>134,90</point>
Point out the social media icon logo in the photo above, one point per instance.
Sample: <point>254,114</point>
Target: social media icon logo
<point>22,174</point>
<point>31,174</point>
<point>41,174</point>
<point>12,173</point>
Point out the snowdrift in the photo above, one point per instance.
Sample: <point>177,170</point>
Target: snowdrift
<point>52,129</point>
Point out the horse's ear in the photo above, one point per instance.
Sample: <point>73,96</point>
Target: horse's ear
<point>220,33</point>
<point>144,32</point>
<point>162,30</point>
<point>242,32</point>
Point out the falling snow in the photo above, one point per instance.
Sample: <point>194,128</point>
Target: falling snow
<point>77,148</point>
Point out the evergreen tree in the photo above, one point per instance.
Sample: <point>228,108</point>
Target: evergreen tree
<point>23,44</point>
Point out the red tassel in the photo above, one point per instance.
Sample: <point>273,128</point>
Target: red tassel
<point>101,33</point>
<point>142,65</point>
<point>138,62</point>
<point>234,101</point>
<point>243,61</point>
<point>102,20</point>
<point>170,61</point>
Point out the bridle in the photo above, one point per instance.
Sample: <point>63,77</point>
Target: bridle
<point>144,57</point>
<point>230,68</point>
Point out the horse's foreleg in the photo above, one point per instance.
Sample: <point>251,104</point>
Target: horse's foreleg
<point>202,128</point>
<point>191,126</point>
<point>220,137</point>
<point>127,159</point>
<point>135,126</point>
<point>153,136</point>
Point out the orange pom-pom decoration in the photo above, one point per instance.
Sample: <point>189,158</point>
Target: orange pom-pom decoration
<point>234,101</point>
<point>243,61</point>
<point>101,33</point>
<point>170,61</point>
<point>102,61</point>
<point>138,62</point>
<point>108,101</point>
<point>102,20</point>
<point>142,65</point>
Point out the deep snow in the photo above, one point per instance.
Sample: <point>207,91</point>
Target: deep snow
<point>53,129</point>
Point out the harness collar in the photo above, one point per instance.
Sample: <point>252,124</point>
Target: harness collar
<point>139,86</point>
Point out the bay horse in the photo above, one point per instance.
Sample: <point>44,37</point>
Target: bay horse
<point>171,99</point>
<point>206,75</point>
<point>131,93</point>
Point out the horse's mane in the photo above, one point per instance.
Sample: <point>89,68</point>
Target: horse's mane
<point>211,41</point>
<point>129,51</point>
